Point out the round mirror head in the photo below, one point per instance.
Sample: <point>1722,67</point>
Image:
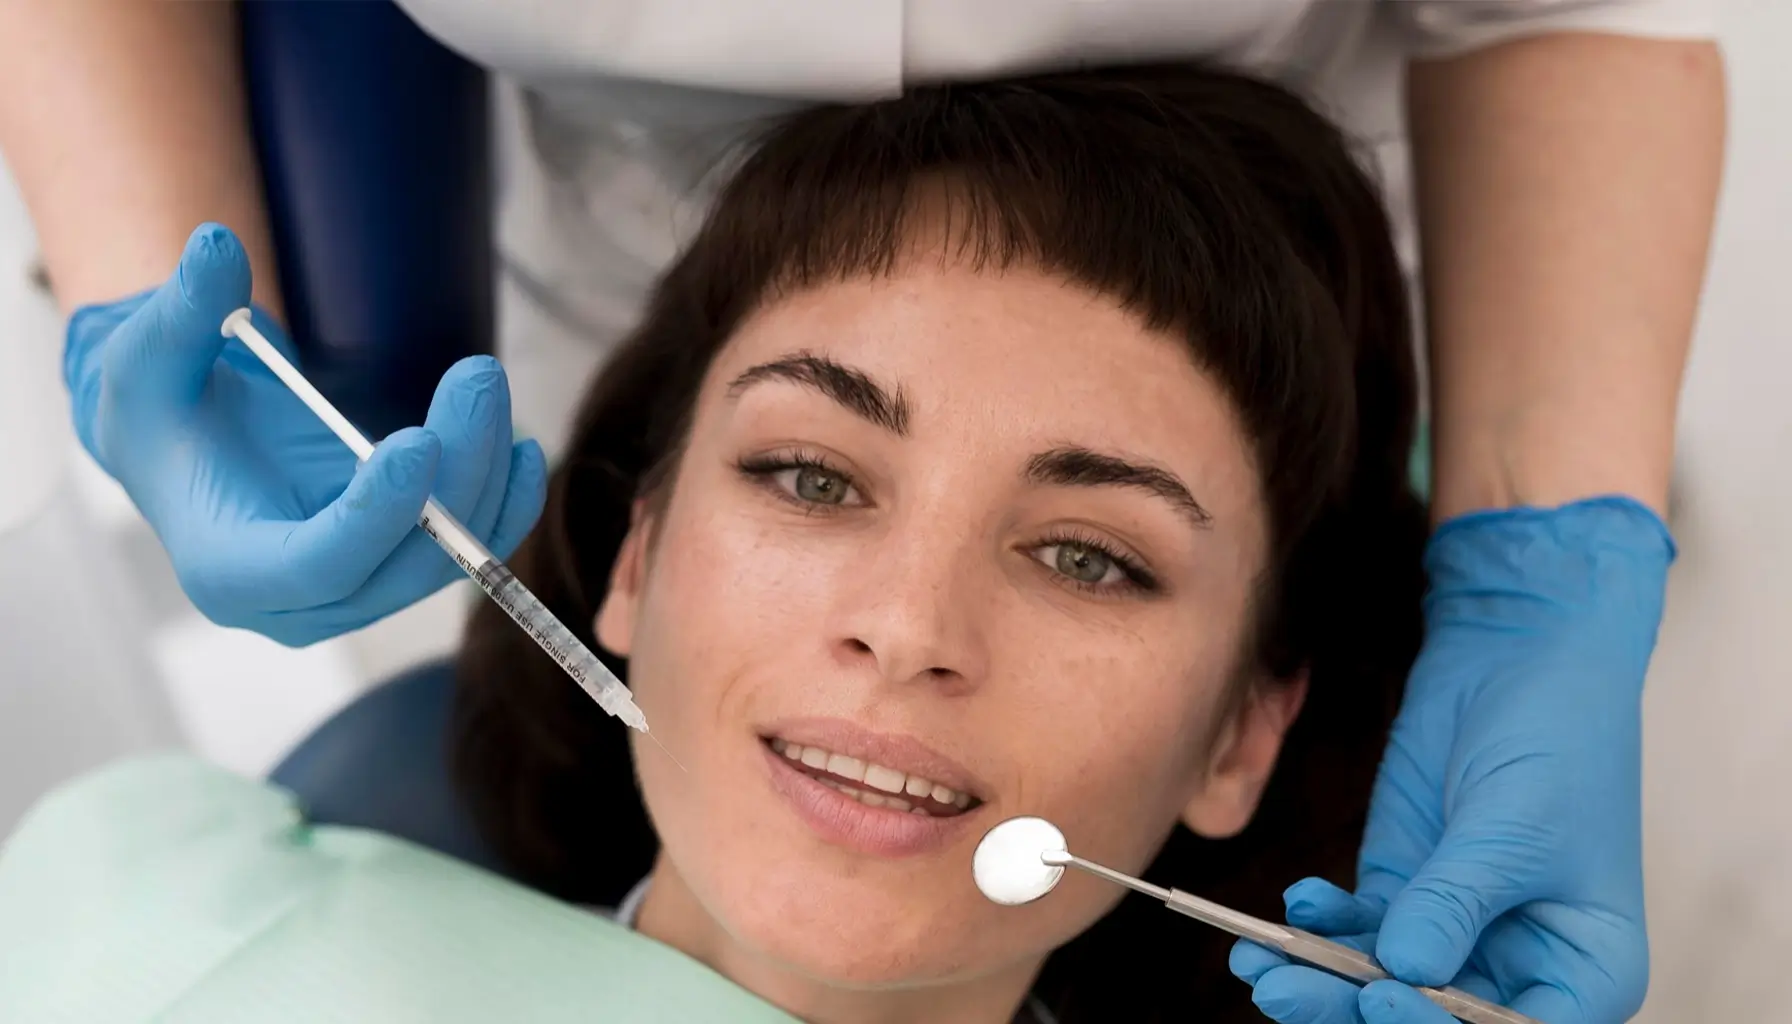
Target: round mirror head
<point>1009,865</point>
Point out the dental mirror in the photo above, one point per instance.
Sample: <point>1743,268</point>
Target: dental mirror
<point>1022,859</point>
<point>1010,863</point>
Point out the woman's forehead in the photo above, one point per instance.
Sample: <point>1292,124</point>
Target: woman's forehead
<point>1018,353</point>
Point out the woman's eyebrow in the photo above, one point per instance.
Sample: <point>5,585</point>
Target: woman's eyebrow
<point>852,388</point>
<point>1073,466</point>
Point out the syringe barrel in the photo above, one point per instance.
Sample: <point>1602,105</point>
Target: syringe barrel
<point>496,579</point>
<point>555,638</point>
<point>456,539</point>
<point>466,550</point>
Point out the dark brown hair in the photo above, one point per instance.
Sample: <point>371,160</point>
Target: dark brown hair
<point>1218,207</point>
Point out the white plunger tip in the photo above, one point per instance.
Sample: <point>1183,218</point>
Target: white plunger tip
<point>234,321</point>
<point>1010,865</point>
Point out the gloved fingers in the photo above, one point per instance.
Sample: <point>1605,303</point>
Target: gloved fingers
<point>471,413</point>
<point>471,408</point>
<point>419,567</point>
<point>1404,827</point>
<point>524,495</point>
<point>498,465</point>
<point>1578,962</point>
<point>1296,994</point>
<point>1475,983</point>
<point>1248,961</point>
<point>1552,1004</point>
<point>331,555</point>
<point>1378,885</point>
<point>1432,926</point>
<point>1324,909</point>
<point>1390,1002</point>
<point>89,328</point>
<point>160,357</point>
<point>1291,995</point>
<point>1304,995</point>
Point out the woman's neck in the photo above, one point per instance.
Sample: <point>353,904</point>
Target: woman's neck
<point>671,914</point>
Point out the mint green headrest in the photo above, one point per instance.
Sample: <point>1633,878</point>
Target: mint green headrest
<point>168,890</point>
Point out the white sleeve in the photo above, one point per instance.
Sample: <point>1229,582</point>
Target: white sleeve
<point>1445,28</point>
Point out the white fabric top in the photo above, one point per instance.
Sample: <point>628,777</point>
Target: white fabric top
<point>853,49</point>
<point>611,111</point>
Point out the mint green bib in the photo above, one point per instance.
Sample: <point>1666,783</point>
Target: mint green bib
<point>168,890</point>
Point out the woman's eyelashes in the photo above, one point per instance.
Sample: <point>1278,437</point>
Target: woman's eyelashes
<point>804,479</point>
<point>1091,565</point>
<point>1075,559</point>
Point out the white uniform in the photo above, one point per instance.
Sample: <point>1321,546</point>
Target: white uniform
<point>611,111</point>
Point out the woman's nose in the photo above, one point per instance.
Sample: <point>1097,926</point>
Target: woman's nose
<point>912,609</point>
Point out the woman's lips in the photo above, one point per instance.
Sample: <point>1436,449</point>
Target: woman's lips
<point>843,821</point>
<point>872,783</point>
<point>898,752</point>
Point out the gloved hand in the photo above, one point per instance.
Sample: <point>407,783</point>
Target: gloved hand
<point>270,522</point>
<point>1298,993</point>
<point>1508,809</point>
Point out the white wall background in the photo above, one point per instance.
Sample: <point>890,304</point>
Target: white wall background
<point>100,653</point>
<point>1719,705</point>
<point>100,656</point>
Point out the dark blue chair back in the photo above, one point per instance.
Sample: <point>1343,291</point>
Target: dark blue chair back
<point>374,142</point>
<point>382,763</point>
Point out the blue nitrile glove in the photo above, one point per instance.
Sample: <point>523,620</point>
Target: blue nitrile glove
<point>270,522</point>
<point>1508,809</point>
<point>1292,993</point>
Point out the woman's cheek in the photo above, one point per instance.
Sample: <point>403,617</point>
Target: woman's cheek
<point>730,599</point>
<point>751,555</point>
<point>1125,758</point>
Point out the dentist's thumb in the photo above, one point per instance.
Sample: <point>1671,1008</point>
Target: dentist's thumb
<point>162,355</point>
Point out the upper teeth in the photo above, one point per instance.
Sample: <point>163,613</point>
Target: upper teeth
<point>875,776</point>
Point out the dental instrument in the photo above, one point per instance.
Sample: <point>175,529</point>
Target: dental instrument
<point>1022,859</point>
<point>485,568</point>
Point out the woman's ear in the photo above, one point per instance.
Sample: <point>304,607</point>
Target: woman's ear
<point>615,625</point>
<point>1244,757</point>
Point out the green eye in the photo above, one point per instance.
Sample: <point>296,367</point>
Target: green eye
<point>803,480</point>
<point>1083,563</point>
<point>814,484</point>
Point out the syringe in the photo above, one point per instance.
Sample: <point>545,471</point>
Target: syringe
<point>491,574</point>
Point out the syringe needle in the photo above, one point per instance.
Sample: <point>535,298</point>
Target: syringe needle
<point>668,753</point>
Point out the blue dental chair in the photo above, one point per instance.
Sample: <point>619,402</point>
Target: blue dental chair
<point>382,763</point>
<point>374,146</point>
<point>374,143</point>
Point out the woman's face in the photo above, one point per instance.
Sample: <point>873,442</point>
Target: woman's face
<point>944,548</point>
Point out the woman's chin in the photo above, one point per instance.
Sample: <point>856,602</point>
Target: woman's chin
<point>861,941</point>
<point>865,966</point>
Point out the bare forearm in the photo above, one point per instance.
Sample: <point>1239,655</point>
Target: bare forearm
<point>1566,188</point>
<point>124,123</point>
